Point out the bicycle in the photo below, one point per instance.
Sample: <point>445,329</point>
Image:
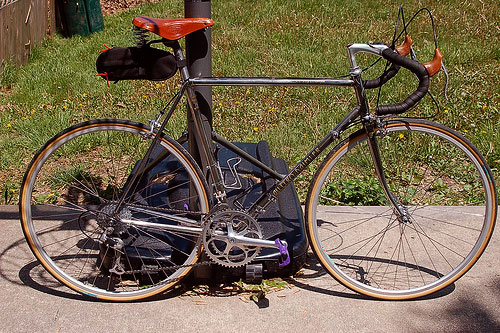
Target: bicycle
<point>103,228</point>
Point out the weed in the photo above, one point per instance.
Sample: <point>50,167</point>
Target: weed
<point>364,191</point>
<point>9,192</point>
<point>8,76</point>
<point>256,292</point>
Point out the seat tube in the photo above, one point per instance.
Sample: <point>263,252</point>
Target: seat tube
<point>204,141</point>
<point>203,137</point>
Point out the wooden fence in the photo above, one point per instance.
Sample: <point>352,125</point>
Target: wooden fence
<point>23,25</point>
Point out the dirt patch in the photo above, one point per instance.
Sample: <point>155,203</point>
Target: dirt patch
<point>114,6</point>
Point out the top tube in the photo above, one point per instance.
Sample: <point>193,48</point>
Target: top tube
<point>353,49</point>
<point>269,81</point>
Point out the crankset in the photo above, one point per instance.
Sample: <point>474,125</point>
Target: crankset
<point>226,237</point>
<point>233,238</point>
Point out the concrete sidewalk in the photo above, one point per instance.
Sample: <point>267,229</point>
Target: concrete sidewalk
<point>32,301</point>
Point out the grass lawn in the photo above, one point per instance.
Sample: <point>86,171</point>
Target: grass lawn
<point>58,87</point>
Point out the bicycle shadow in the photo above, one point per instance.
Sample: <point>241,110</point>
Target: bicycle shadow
<point>19,267</point>
<point>314,278</point>
<point>34,276</point>
<point>311,277</point>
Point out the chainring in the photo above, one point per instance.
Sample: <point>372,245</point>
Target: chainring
<point>219,242</point>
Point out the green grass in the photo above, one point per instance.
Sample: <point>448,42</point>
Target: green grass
<point>58,87</point>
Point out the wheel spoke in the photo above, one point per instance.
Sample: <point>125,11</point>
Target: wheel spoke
<point>71,215</point>
<point>446,194</point>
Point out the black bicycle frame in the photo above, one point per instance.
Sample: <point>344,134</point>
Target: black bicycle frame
<point>361,111</point>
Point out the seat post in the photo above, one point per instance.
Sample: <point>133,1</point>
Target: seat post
<point>179,56</point>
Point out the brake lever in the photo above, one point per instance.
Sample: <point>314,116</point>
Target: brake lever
<point>443,69</point>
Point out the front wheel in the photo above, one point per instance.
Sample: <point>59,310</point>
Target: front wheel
<point>445,188</point>
<point>75,225</point>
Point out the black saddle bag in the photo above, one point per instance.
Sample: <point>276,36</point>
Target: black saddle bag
<point>133,63</point>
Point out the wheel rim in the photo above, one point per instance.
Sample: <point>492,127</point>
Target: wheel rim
<point>336,264</point>
<point>38,238</point>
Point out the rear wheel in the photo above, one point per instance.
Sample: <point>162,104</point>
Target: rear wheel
<point>74,226</point>
<point>443,184</point>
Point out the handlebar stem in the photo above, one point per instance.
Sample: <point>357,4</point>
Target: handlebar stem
<point>356,71</point>
<point>355,48</point>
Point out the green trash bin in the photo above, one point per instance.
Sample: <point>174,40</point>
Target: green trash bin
<point>80,17</point>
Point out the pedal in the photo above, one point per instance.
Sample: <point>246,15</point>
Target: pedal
<point>284,258</point>
<point>253,273</point>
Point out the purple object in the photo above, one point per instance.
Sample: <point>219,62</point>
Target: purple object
<point>186,207</point>
<point>283,252</point>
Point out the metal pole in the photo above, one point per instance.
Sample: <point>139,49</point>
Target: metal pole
<point>199,58</point>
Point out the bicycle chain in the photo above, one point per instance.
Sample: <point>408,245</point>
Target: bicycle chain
<point>167,210</point>
<point>172,211</point>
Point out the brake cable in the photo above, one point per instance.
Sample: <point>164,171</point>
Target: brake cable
<point>413,56</point>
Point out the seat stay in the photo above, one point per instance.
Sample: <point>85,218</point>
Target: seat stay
<point>172,29</point>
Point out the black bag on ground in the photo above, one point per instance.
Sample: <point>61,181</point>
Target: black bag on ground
<point>133,63</point>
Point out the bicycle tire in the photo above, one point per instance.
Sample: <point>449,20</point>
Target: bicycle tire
<point>443,183</point>
<point>71,189</point>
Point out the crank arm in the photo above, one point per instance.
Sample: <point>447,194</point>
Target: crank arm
<point>248,241</point>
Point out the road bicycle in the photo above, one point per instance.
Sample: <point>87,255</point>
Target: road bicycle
<point>119,210</point>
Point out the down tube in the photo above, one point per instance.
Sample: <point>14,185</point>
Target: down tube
<point>271,195</point>
<point>266,198</point>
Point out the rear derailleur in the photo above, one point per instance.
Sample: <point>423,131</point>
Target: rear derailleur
<point>110,252</point>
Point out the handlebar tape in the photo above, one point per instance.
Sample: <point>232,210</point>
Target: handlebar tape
<point>423,86</point>
<point>382,79</point>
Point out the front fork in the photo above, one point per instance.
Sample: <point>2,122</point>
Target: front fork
<point>375,128</point>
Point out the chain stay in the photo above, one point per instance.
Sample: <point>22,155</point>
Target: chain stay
<point>156,270</point>
<point>175,267</point>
